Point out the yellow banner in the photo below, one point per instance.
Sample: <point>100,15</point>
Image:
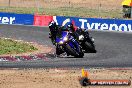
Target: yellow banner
<point>127,2</point>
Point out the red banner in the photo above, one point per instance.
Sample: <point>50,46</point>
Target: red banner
<point>42,20</point>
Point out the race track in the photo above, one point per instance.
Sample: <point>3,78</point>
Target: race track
<point>114,49</point>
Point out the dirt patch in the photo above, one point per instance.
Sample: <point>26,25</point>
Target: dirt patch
<point>54,78</point>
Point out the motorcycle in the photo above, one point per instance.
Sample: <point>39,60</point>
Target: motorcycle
<point>86,42</point>
<point>66,43</point>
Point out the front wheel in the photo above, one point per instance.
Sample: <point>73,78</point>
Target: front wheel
<point>58,50</point>
<point>73,52</point>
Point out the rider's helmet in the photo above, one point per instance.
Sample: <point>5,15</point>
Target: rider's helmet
<point>70,26</point>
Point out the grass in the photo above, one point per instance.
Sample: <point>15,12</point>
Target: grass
<point>8,46</point>
<point>22,10</point>
<point>84,12</point>
<point>66,11</point>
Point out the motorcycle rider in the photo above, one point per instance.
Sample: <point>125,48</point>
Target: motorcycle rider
<point>56,29</point>
<point>76,31</point>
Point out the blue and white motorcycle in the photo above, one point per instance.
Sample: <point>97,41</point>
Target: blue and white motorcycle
<point>65,42</point>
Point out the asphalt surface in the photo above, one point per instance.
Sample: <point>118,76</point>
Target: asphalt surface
<point>114,49</point>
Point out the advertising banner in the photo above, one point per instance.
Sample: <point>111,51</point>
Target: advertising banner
<point>12,18</point>
<point>42,20</point>
<point>96,23</point>
<point>87,23</point>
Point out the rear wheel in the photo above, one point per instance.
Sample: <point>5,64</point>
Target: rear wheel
<point>81,54</point>
<point>89,47</point>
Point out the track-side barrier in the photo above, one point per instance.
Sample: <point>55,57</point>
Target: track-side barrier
<point>87,23</point>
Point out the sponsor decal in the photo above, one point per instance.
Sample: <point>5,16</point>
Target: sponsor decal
<point>12,18</point>
<point>96,23</point>
<point>86,81</point>
<point>105,26</point>
<point>7,20</point>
